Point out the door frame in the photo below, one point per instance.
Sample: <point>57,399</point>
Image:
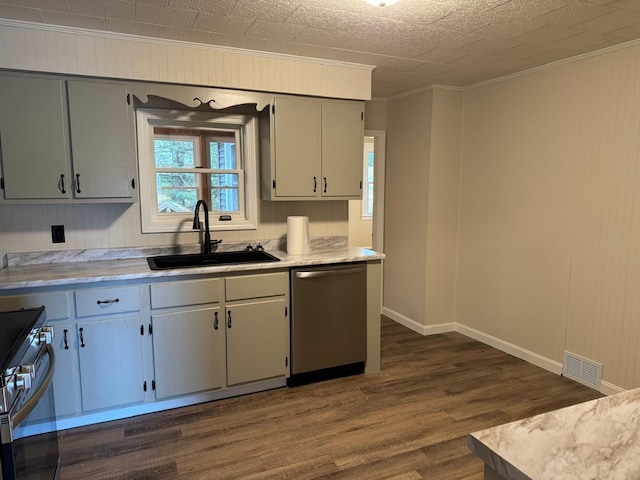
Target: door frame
<point>379,150</point>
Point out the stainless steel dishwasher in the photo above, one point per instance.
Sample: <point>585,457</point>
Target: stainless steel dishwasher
<point>328,322</point>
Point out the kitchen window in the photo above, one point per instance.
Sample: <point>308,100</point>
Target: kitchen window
<point>188,156</point>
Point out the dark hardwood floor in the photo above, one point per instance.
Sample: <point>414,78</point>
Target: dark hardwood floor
<point>408,422</point>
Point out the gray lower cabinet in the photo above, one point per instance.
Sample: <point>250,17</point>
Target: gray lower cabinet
<point>67,375</point>
<point>115,344</point>
<point>188,350</point>
<point>256,347</point>
<point>111,362</point>
<point>188,336</point>
<point>219,332</point>
<point>109,337</point>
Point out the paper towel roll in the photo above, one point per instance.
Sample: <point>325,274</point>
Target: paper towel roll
<point>298,235</point>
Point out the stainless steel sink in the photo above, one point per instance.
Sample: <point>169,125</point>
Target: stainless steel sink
<point>165,262</point>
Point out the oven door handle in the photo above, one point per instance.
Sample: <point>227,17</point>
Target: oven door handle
<point>30,404</point>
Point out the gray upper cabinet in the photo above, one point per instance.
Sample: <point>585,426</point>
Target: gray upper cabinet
<point>65,140</point>
<point>33,138</point>
<point>342,149</point>
<point>296,141</point>
<point>313,149</point>
<point>102,140</point>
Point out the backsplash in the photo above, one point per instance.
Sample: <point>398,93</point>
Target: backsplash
<point>27,228</point>
<point>94,254</point>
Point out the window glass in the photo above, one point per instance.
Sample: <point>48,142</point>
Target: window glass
<point>184,175</point>
<point>173,152</point>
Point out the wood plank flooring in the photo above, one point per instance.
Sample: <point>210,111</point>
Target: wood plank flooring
<point>409,422</point>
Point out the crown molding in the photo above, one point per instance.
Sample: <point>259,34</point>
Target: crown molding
<point>557,63</point>
<point>180,43</point>
<point>425,89</point>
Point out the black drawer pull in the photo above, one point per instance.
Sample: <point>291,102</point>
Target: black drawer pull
<point>66,343</point>
<point>215,321</point>
<point>81,337</point>
<point>325,185</point>
<point>229,319</point>
<point>78,183</point>
<point>115,300</point>
<point>62,183</point>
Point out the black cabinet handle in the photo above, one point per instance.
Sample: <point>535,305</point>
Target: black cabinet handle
<point>66,343</point>
<point>62,183</point>
<point>229,319</point>
<point>215,321</point>
<point>114,300</point>
<point>325,184</point>
<point>82,337</point>
<point>315,184</point>
<point>78,183</point>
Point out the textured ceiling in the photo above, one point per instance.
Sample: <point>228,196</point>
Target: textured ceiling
<point>413,43</point>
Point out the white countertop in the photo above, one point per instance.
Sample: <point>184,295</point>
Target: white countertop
<point>595,440</point>
<point>63,272</point>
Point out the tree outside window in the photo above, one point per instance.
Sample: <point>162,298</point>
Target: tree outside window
<point>196,164</point>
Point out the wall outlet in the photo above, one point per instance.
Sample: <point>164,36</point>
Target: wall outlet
<point>57,233</point>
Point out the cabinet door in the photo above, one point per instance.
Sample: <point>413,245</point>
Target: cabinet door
<point>188,351</point>
<point>102,146</point>
<point>342,148</point>
<point>111,369</point>
<point>296,139</point>
<point>66,379</point>
<point>33,138</point>
<point>255,341</point>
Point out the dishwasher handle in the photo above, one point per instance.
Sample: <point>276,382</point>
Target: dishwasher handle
<point>329,273</point>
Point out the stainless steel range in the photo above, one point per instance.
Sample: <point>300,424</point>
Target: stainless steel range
<point>27,364</point>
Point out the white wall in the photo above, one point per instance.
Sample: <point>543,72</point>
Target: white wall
<point>421,208</point>
<point>406,205</point>
<point>550,218</point>
<point>27,228</point>
<point>37,47</point>
<point>442,218</point>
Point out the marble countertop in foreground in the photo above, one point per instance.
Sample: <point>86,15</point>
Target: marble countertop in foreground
<point>105,269</point>
<point>595,440</point>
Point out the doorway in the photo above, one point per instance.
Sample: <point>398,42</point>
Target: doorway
<point>366,216</point>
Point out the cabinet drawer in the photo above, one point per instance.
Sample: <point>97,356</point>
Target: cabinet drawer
<point>188,292</point>
<point>256,286</point>
<point>103,301</point>
<point>56,303</point>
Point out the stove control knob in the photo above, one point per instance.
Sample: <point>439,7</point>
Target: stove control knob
<point>45,335</point>
<point>22,381</point>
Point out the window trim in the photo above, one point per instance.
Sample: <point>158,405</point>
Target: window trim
<point>146,119</point>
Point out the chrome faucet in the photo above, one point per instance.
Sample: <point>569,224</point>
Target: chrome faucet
<point>206,247</point>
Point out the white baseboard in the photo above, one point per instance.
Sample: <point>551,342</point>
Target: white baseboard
<point>510,348</point>
<point>610,389</point>
<point>418,327</point>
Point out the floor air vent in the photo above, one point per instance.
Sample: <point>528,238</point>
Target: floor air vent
<point>582,370</point>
